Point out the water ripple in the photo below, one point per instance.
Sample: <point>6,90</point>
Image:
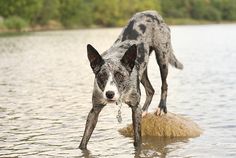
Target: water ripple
<point>46,87</point>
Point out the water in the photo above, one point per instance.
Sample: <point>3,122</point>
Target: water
<point>46,85</point>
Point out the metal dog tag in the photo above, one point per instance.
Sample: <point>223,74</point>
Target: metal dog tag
<point>118,116</point>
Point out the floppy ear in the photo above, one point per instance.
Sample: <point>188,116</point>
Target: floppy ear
<point>128,60</point>
<point>95,59</point>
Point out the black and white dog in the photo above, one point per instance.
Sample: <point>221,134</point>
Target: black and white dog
<point>120,69</point>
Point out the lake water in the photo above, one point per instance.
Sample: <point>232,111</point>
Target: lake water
<point>46,86</point>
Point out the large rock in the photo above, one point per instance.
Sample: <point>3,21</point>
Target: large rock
<point>168,125</point>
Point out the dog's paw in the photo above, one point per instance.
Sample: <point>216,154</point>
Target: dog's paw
<point>161,111</point>
<point>161,108</point>
<point>144,113</point>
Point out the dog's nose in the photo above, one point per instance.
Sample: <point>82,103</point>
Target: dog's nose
<point>110,94</point>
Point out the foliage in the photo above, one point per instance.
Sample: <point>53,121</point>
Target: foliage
<point>49,9</point>
<point>74,13</point>
<point>176,9</point>
<point>26,9</point>
<point>110,13</point>
<point>2,26</point>
<point>15,23</point>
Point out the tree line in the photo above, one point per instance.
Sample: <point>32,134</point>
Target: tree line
<point>107,13</point>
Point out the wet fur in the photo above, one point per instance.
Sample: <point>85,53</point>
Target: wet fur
<point>126,60</point>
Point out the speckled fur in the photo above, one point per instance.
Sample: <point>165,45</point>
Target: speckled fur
<point>145,32</point>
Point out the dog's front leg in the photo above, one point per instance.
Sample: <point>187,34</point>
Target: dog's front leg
<point>90,125</point>
<point>136,118</point>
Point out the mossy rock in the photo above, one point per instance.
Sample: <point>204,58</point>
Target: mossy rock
<point>167,125</point>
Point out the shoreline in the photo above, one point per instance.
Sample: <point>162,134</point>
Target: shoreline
<point>169,21</point>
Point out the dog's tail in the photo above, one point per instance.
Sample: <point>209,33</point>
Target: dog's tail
<point>174,62</point>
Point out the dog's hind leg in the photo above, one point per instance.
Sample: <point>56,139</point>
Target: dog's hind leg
<point>162,60</point>
<point>149,91</point>
<point>90,125</point>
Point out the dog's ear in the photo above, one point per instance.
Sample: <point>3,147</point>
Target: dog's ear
<point>95,58</point>
<point>128,60</point>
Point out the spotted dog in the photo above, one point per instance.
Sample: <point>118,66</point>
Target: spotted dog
<point>120,69</point>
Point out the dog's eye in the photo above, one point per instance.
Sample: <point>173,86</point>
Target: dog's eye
<point>102,76</point>
<point>102,79</point>
<point>119,76</point>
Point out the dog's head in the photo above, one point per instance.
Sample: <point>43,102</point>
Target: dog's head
<point>112,76</point>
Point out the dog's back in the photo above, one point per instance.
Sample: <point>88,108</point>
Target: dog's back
<point>140,27</point>
<point>149,32</point>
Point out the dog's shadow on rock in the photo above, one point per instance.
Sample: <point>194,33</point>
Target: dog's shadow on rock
<point>158,146</point>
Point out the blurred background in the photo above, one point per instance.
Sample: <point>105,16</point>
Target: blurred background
<point>27,15</point>
<point>46,82</point>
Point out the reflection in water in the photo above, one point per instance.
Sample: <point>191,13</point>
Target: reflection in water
<point>46,86</point>
<point>86,154</point>
<point>152,147</point>
<point>158,146</point>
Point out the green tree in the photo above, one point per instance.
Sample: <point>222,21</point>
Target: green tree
<point>74,13</point>
<point>228,9</point>
<point>49,10</point>
<point>15,23</point>
<point>176,8</point>
<point>212,14</point>
<point>26,9</point>
<point>205,9</point>
<point>105,12</point>
<point>117,12</point>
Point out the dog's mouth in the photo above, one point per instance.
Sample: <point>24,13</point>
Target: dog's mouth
<point>111,100</point>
